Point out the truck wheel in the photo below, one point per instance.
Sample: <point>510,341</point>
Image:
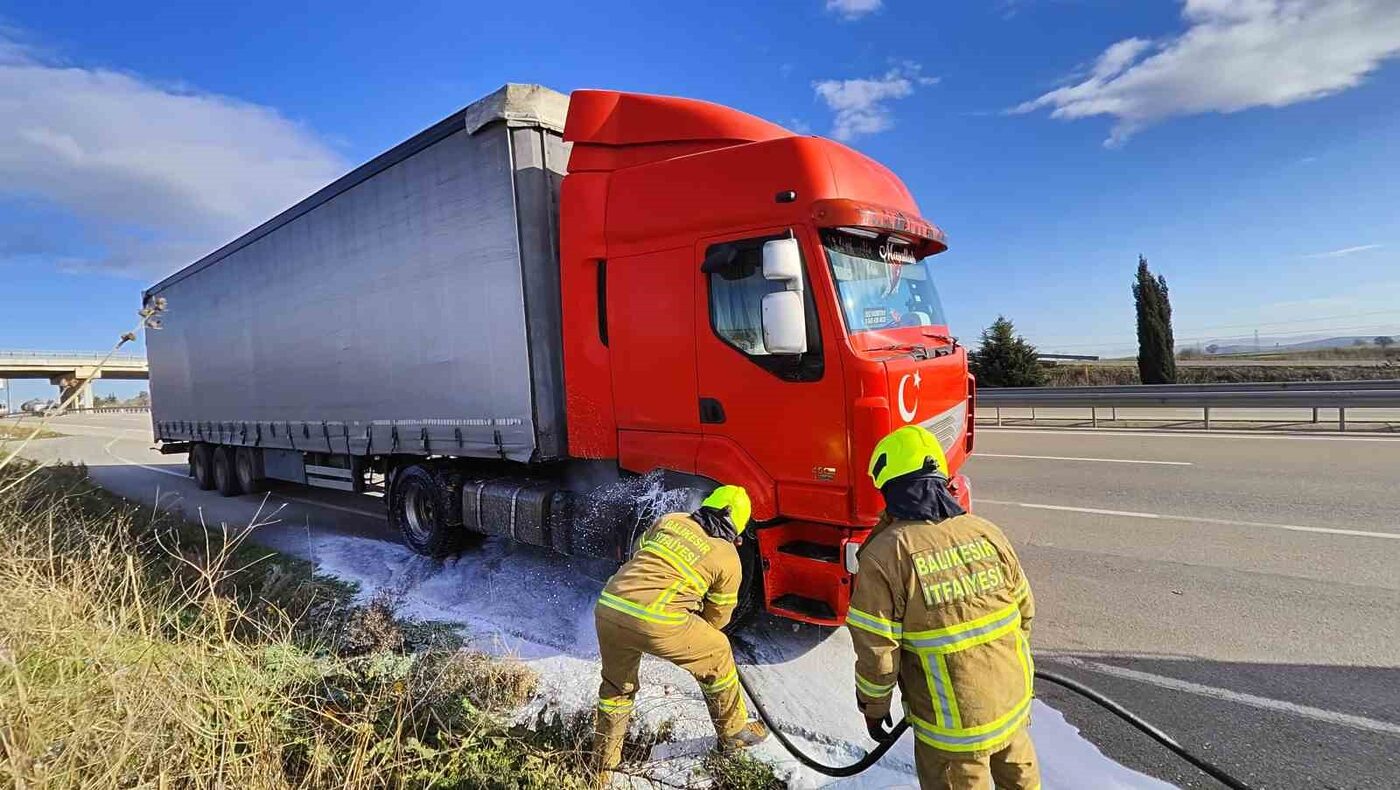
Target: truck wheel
<point>751,588</point>
<point>225,478</point>
<point>202,466</point>
<point>422,509</point>
<point>247,465</point>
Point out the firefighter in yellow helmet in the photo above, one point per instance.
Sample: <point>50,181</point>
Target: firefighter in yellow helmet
<point>671,600</point>
<point>942,609</point>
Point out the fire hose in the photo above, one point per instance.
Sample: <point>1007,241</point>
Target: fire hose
<point>1209,768</point>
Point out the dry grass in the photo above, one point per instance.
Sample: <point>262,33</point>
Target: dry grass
<point>18,431</point>
<point>739,771</point>
<point>138,652</point>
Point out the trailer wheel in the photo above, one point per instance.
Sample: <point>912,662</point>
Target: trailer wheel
<point>225,477</point>
<point>422,509</point>
<point>247,463</point>
<point>202,466</point>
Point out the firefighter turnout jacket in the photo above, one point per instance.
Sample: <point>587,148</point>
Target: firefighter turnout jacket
<point>677,570</point>
<point>944,610</point>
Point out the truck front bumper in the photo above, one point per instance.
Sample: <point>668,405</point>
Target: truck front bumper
<point>809,569</point>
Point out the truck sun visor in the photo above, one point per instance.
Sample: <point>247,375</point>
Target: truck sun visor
<point>925,237</point>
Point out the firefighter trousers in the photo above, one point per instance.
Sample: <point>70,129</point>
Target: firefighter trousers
<point>1011,767</point>
<point>695,646</point>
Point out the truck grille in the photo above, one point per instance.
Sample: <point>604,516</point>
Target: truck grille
<point>948,426</point>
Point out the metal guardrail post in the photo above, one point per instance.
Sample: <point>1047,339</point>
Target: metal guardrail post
<point>1342,419</point>
<point>1094,415</point>
<point>998,416</point>
<point>1113,415</point>
<point>1206,409</point>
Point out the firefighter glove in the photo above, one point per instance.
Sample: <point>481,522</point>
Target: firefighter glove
<point>879,728</point>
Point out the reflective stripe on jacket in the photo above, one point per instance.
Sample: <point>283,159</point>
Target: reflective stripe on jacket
<point>677,570</point>
<point>944,610</point>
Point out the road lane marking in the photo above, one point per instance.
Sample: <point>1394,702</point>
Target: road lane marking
<point>1094,460</point>
<point>108,447</point>
<point>341,508</point>
<point>1356,533</point>
<point>1184,434</point>
<point>298,500</point>
<point>1239,697</point>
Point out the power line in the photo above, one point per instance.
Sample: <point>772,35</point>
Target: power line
<point>1362,328</point>
<point>1196,333</point>
<point>1296,320</point>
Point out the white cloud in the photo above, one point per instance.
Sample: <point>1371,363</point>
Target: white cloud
<point>1234,55</point>
<point>156,175</point>
<point>853,9</point>
<point>1345,251</point>
<point>862,105</point>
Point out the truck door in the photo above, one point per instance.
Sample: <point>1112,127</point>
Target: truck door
<point>650,309</point>
<point>769,420</point>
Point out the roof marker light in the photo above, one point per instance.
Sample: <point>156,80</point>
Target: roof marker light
<point>861,232</point>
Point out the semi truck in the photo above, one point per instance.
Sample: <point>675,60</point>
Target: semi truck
<point>546,318</point>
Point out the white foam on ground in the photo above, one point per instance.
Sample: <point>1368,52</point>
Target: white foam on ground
<point>538,607</point>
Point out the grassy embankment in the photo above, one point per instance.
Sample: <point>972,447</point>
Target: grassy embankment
<point>140,651</point>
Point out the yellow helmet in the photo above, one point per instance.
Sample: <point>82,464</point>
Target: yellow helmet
<point>903,451</point>
<point>736,499</point>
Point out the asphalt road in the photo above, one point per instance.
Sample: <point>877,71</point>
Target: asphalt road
<point>1241,591</point>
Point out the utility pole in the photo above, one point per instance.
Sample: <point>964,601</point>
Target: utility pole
<point>1256,341</point>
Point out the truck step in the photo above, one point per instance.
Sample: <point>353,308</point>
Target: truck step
<point>807,607</point>
<point>812,550</point>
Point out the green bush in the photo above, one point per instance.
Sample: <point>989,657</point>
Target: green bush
<point>1005,359</point>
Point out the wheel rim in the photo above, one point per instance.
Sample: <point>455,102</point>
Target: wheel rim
<point>420,512</point>
<point>245,471</point>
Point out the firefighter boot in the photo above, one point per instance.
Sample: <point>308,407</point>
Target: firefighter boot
<point>752,734</point>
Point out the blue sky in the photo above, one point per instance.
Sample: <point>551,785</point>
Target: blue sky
<point>1247,147</point>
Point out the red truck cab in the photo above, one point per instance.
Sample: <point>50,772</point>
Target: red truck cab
<point>751,306</point>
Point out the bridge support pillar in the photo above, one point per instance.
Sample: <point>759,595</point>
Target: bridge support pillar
<point>77,385</point>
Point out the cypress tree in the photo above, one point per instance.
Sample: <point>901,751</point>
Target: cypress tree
<point>1156,348</point>
<point>1005,359</point>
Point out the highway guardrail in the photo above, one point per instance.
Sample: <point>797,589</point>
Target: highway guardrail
<point>1315,395</point>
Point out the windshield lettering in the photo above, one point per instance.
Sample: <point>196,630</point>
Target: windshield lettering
<point>881,285</point>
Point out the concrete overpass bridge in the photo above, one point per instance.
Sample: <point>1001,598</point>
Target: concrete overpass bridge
<point>72,371</point>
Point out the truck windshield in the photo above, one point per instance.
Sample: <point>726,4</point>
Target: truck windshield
<point>876,293</point>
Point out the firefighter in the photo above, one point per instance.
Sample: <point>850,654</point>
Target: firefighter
<point>942,609</point>
<point>670,601</point>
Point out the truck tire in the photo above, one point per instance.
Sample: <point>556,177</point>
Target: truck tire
<point>751,588</point>
<point>688,498</point>
<point>225,477</point>
<point>426,512</point>
<point>247,465</point>
<point>202,466</point>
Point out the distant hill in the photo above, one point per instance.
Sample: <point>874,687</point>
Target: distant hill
<point>1274,345</point>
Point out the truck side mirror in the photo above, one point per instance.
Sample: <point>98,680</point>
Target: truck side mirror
<point>784,323</point>
<point>782,261</point>
<point>784,318</point>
